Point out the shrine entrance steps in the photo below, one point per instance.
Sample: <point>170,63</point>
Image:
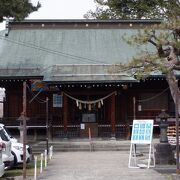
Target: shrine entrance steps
<point>70,145</point>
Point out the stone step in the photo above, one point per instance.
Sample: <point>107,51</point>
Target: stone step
<point>85,146</point>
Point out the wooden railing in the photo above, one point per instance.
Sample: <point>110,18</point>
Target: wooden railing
<point>121,131</point>
<point>73,130</point>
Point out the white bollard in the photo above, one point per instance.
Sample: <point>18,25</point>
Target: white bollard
<point>50,152</point>
<point>45,158</point>
<point>35,167</point>
<point>41,166</point>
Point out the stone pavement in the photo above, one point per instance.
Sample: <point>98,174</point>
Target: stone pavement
<point>101,165</point>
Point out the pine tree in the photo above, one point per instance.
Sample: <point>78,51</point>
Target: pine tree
<point>16,9</point>
<point>135,9</point>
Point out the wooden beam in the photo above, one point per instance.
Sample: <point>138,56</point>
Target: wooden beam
<point>113,120</point>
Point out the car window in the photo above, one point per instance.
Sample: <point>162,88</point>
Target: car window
<point>3,135</point>
<point>8,132</point>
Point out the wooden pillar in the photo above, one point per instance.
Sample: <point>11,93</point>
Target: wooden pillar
<point>35,135</point>
<point>113,120</point>
<point>65,114</point>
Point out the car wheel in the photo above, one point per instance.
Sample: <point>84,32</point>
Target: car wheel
<point>15,158</point>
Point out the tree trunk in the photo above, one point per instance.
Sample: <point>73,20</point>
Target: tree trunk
<point>174,89</point>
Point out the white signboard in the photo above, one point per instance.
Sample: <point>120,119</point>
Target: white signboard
<point>57,100</point>
<point>142,131</point>
<point>82,126</point>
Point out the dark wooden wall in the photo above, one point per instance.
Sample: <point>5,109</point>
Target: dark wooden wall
<point>123,102</point>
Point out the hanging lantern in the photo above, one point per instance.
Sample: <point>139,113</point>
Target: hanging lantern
<point>139,107</point>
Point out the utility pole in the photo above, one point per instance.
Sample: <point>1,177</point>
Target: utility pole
<point>24,129</point>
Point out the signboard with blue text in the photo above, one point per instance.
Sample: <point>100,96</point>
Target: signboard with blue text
<point>57,100</point>
<point>142,134</point>
<point>142,131</point>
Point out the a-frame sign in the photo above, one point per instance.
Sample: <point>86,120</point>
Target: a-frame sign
<point>142,132</point>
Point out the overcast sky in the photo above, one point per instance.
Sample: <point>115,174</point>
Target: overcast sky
<point>61,9</point>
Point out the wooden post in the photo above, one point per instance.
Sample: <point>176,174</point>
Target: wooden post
<point>24,129</point>
<point>90,140</point>
<point>65,114</point>
<point>113,121</point>
<point>47,125</point>
<point>134,108</point>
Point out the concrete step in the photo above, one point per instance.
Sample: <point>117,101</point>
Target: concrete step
<point>85,146</point>
<point>37,151</point>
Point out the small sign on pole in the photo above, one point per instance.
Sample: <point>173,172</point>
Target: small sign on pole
<point>142,132</point>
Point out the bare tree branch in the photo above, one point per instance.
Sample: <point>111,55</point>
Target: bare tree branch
<point>152,42</point>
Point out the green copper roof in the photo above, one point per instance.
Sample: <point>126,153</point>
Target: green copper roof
<point>44,48</point>
<point>85,73</point>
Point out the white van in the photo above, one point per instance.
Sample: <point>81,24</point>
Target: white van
<point>17,148</point>
<point>7,157</point>
<point>1,161</point>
